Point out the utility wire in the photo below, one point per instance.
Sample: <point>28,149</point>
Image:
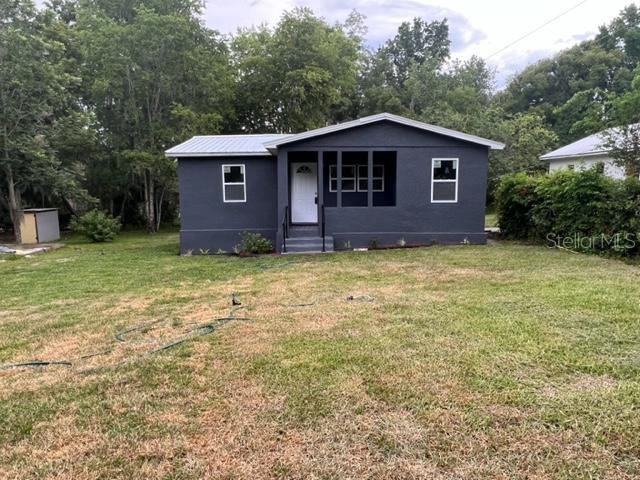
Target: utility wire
<point>536,29</point>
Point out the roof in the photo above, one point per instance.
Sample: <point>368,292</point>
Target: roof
<point>38,210</point>
<point>224,145</point>
<point>273,145</point>
<point>267,144</point>
<point>590,146</point>
<point>587,146</point>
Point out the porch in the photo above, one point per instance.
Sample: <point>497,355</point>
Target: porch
<point>320,183</point>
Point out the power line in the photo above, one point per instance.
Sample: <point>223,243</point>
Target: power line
<point>536,29</point>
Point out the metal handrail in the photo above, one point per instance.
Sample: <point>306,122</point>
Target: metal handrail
<point>285,229</point>
<point>323,228</point>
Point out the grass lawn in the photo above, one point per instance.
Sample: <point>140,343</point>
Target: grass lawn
<point>502,361</point>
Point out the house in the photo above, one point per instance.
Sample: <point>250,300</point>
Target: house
<point>584,154</point>
<point>379,180</point>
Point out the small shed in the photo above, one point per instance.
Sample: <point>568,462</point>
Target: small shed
<point>40,225</point>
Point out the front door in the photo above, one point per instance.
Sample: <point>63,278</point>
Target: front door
<point>304,192</point>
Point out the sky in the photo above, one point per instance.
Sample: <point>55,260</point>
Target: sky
<point>476,27</point>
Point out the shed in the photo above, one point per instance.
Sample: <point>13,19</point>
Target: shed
<point>40,225</point>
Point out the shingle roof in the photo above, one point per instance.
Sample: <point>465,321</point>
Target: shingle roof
<point>585,147</point>
<point>224,145</point>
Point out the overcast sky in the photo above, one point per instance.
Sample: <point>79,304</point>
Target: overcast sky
<point>479,27</point>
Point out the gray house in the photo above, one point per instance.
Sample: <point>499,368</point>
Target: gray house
<point>379,180</point>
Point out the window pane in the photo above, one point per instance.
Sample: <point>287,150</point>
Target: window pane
<point>348,171</point>
<point>233,174</point>
<point>363,185</point>
<point>445,169</point>
<point>333,171</point>
<point>378,170</point>
<point>444,191</point>
<point>348,185</point>
<point>333,186</point>
<point>362,171</point>
<point>377,185</point>
<point>234,192</point>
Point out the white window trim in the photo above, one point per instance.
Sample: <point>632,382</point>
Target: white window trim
<point>244,183</point>
<point>372,178</point>
<point>433,162</point>
<point>334,168</point>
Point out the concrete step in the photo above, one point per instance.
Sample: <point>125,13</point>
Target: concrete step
<point>295,232</point>
<point>308,244</point>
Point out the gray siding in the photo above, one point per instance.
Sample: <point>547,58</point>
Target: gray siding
<point>48,226</point>
<point>414,218</point>
<point>207,223</point>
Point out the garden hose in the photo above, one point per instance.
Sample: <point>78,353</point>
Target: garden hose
<point>36,363</point>
<point>199,331</point>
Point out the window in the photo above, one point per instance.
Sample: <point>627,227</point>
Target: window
<point>444,180</point>
<point>233,184</point>
<point>348,178</point>
<point>378,178</point>
<point>571,166</point>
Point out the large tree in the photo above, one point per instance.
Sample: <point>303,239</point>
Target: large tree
<point>298,76</point>
<point>419,48</point>
<point>148,66</point>
<point>35,100</point>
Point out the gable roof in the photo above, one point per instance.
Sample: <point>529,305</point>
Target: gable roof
<point>585,147</point>
<point>590,146</point>
<point>267,144</point>
<point>273,145</point>
<point>224,146</point>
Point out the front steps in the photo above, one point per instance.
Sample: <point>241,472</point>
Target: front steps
<point>306,240</point>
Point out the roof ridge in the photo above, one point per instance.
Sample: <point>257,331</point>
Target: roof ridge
<point>391,117</point>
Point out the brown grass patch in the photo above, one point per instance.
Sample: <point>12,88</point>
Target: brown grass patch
<point>582,384</point>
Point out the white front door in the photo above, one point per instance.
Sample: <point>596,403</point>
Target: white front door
<point>304,190</point>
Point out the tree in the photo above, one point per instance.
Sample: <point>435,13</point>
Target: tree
<point>148,68</point>
<point>581,115</point>
<point>34,98</point>
<point>301,75</point>
<point>392,75</point>
<point>526,137</point>
<point>623,144</point>
<point>416,43</point>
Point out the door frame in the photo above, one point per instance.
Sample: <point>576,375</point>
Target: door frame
<point>290,219</point>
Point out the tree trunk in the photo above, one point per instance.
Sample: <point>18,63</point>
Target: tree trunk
<point>149,201</point>
<point>122,207</point>
<point>15,204</point>
<point>160,198</point>
<point>14,200</point>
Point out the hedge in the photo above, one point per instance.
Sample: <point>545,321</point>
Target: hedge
<point>579,210</point>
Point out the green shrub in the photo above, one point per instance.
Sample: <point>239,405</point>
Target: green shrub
<point>515,197</point>
<point>580,210</point>
<point>253,243</point>
<point>96,226</point>
<point>574,203</point>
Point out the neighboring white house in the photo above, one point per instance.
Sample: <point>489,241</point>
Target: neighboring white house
<point>583,154</point>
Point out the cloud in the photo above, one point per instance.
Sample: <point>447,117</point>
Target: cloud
<point>383,16</point>
<point>512,63</point>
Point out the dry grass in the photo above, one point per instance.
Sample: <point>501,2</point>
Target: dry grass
<point>475,362</point>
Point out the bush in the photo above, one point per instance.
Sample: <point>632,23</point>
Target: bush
<point>96,226</point>
<point>253,243</point>
<point>583,211</point>
<point>515,197</point>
